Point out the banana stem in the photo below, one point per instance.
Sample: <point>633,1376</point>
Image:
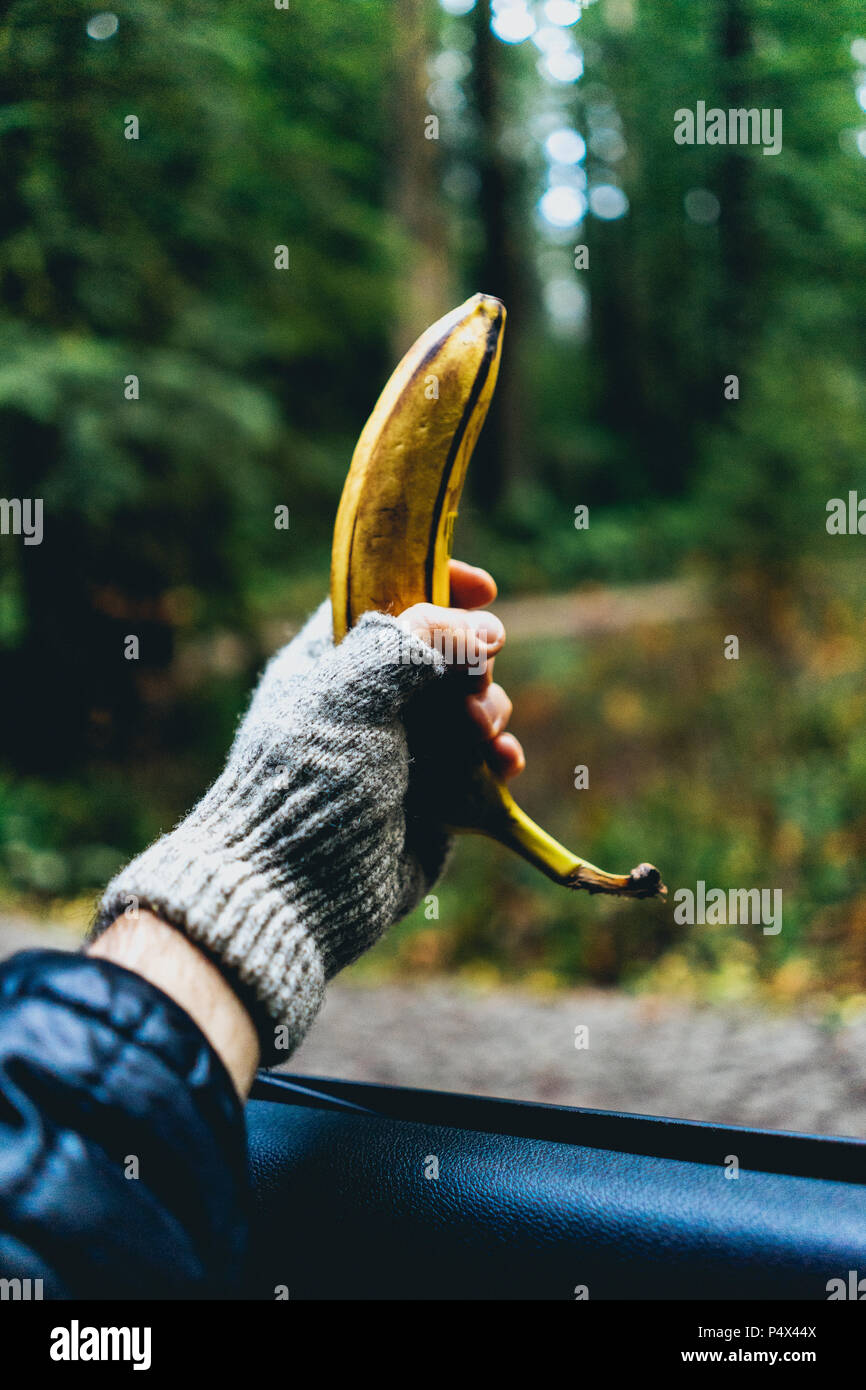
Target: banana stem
<point>515,829</point>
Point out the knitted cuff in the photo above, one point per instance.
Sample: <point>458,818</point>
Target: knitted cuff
<point>240,919</point>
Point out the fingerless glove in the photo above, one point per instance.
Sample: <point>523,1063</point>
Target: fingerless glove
<point>303,851</point>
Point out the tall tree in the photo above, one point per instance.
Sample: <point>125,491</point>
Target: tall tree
<point>425,284</point>
<point>501,265</point>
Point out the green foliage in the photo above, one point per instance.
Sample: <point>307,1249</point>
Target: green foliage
<point>687,770</point>
<point>155,258</point>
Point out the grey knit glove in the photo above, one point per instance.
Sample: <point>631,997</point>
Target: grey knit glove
<point>303,851</point>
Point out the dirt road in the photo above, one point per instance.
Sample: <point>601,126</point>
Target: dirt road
<point>650,1056</point>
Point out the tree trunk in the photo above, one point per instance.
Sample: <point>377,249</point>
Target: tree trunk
<point>498,269</point>
<point>425,287</point>
<point>739,248</point>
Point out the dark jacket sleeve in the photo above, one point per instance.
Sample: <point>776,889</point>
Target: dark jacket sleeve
<point>123,1169</point>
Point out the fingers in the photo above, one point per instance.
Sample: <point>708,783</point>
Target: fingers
<point>506,756</point>
<point>490,711</point>
<point>471,587</point>
<point>466,640</point>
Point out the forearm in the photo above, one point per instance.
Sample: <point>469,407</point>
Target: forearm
<point>181,970</point>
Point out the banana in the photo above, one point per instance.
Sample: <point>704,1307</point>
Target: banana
<point>392,544</point>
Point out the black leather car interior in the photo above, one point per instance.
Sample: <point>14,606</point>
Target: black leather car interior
<point>372,1192</point>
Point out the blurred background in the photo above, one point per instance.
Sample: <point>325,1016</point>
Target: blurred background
<point>407,153</point>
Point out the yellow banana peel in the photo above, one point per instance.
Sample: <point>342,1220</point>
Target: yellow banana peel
<point>392,545</point>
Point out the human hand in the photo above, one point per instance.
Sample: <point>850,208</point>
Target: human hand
<point>302,853</point>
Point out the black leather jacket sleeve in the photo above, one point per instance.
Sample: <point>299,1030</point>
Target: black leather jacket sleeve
<point>123,1169</point>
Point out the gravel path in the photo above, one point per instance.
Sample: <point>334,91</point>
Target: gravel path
<point>651,1056</point>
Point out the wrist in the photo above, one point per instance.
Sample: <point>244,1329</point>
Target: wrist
<point>238,915</point>
<point>163,956</point>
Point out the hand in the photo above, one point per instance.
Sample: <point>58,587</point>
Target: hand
<point>487,705</point>
<point>303,852</point>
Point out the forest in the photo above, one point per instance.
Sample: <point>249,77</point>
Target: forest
<point>199,307</point>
